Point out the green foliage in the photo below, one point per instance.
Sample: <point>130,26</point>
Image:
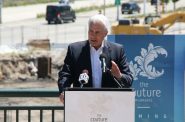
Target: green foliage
<point>165,1</point>
<point>175,1</point>
<point>7,3</point>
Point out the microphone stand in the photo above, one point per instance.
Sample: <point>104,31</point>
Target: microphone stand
<point>120,86</point>
<point>81,86</point>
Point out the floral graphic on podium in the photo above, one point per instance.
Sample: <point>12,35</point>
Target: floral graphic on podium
<point>143,65</point>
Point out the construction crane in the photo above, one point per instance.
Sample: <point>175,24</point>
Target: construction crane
<point>157,27</point>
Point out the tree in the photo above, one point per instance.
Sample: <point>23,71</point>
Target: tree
<point>174,4</point>
<point>163,2</point>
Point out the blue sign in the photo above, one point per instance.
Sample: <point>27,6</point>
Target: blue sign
<point>157,63</point>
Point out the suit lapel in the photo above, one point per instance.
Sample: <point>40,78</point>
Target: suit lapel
<point>87,63</point>
<point>106,76</point>
<point>107,52</point>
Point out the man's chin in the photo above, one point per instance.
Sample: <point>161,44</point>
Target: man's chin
<point>93,44</point>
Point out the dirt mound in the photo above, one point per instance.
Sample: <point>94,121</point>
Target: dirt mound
<point>24,66</point>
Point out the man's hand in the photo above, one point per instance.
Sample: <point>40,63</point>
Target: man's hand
<point>61,97</point>
<point>115,70</point>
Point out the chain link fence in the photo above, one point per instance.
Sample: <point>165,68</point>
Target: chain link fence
<point>57,34</point>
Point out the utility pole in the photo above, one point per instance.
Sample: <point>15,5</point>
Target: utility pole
<point>117,12</point>
<point>117,3</point>
<point>157,7</point>
<point>144,6</point>
<point>104,7</point>
<point>1,5</point>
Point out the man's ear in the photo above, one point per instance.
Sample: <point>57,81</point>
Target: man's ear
<point>105,34</point>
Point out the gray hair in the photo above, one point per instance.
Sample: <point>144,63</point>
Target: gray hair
<point>100,18</point>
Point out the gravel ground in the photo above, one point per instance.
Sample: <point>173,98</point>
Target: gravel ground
<point>41,83</point>
<point>15,73</point>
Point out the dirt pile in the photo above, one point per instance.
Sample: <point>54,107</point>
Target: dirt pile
<point>24,66</point>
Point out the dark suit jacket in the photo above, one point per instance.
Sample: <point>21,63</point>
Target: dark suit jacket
<point>78,59</point>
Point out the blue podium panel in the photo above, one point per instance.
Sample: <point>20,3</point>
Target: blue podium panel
<point>157,63</point>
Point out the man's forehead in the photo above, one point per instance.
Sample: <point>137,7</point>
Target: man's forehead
<point>98,26</point>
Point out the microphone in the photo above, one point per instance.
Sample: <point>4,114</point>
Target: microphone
<point>105,69</point>
<point>83,78</point>
<point>103,60</point>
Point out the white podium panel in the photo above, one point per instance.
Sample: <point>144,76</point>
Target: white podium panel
<point>107,105</point>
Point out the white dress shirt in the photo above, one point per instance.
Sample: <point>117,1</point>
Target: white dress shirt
<point>96,66</point>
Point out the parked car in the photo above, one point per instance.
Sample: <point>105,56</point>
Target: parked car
<point>60,13</point>
<point>153,2</point>
<point>130,8</point>
<point>63,1</point>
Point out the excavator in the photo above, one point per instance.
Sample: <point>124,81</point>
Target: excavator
<point>151,26</point>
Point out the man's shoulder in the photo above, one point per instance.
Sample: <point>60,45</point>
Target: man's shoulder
<point>78,44</point>
<point>113,44</point>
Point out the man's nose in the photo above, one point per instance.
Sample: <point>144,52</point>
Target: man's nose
<point>93,34</point>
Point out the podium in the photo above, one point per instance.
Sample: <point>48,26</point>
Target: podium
<point>99,105</point>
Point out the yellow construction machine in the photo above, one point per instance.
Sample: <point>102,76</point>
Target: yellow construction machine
<point>158,26</point>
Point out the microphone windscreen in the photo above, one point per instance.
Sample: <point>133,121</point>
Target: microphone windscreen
<point>102,56</point>
<point>83,78</point>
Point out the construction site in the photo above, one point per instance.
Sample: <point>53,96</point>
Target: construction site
<point>32,51</point>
